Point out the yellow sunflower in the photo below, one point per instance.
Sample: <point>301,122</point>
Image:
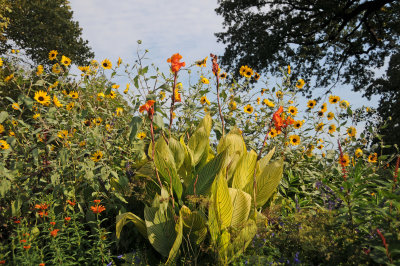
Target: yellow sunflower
<point>14,123</point>
<point>248,109</point>
<point>15,106</point>
<point>288,69</point>
<point>279,94</point>
<point>373,158</point>
<point>319,127</point>
<point>100,96</point>
<point>70,106</point>
<point>273,133</point>
<point>56,101</point>
<point>119,61</point>
<point>36,116</point>
<point>65,60</point>
<point>42,97</point>
<point>11,134</point>
<point>351,131</point>
<point>311,104</point>
<point>39,70</point>
<point>8,78</point>
<point>334,99</point>
<point>4,145</point>
<point>74,95</point>
<point>141,135</point>
<point>223,75</point>
<point>344,104</point>
<point>1,128</point>
<point>232,105</point>
<point>204,80</point>
<point>324,108</point>
<point>202,63</point>
<point>204,100</point>
<point>256,76</point>
<point>127,88</point>
<point>268,103</point>
<point>97,121</point>
<point>248,73</point>
<point>294,140</point>
<point>320,146</point>
<point>56,68</point>
<point>358,153</point>
<point>332,128</point>
<point>112,94</point>
<point>298,124</point>
<point>258,100</point>
<point>119,111</point>
<point>106,64</point>
<point>292,110</point>
<point>63,134</point>
<point>242,70</point>
<point>344,160</point>
<point>52,55</point>
<point>300,83</point>
<point>162,95</point>
<point>330,116</point>
<point>96,156</point>
<point>320,113</point>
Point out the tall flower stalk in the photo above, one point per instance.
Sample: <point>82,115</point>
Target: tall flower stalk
<point>215,70</point>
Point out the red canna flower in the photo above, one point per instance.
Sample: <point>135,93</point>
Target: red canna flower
<point>72,203</point>
<point>98,208</point>
<point>148,107</point>
<point>175,64</point>
<point>54,232</point>
<point>278,119</point>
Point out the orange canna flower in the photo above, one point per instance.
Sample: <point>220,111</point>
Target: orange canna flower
<point>42,206</point>
<point>175,64</point>
<point>72,203</point>
<point>67,219</point>
<point>98,208</point>
<point>278,119</point>
<point>147,106</point>
<point>97,201</point>
<point>54,232</point>
<point>42,213</point>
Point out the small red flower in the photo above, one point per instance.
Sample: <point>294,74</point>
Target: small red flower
<point>2,262</point>
<point>67,219</point>
<point>42,206</point>
<point>54,232</point>
<point>22,241</point>
<point>17,221</point>
<point>27,247</point>
<point>175,64</point>
<point>72,203</point>
<point>98,208</point>
<point>42,264</point>
<point>53,223</point>
<point>97,201</point>
<point>42,213</point>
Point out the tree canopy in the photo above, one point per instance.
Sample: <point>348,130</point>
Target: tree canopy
<point>324,41</point>
<point>39,26</point>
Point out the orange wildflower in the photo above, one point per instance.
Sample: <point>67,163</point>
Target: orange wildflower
<point>72,203</point>
<point>43,206</point>
<point>67,219</point>
<point>98,208</point>
<point>42,213</point>
<point>42,264</point>
<point>27,247</point>
<point>278,119</point>
<point>22,241</point>
<point>53,223</point>
<point>54,232</point>
<point>147,106</point>
<point>175,64</point>
<point>97,201</point>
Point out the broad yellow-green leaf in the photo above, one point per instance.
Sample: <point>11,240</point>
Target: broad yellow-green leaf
<point>160,229</point>
<point>242,240</point>
<point>222,202</point>
<point>213,223</point>
<point>177,243</point>
<point>268,181</point>
<point>244,171</point>
<point>223,246</point>
<point>241,202</point>
<point>165,163</point>
<point>178,152</point>
<point>127,217</point>
<point>186,169</point>
<point>265,160</point>
<point>194,225</point>
<point>199,141</point>
<point>202,181</point>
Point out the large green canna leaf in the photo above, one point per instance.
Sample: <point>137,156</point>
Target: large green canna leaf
<point>222,203</point>
<point>241,202</point>
<point>244,171</point>
<point>265,160</point>
<point>203,179</point>
<point>177,243</point>
<point>127,217</point>
<point>185,171</point>
<point>239,244</point>
<point>194,225</point>
<point>165,163</point>
<point>268,180</point>
<point>160,228</point>
<point>199,141</point>
<point>178,152</point>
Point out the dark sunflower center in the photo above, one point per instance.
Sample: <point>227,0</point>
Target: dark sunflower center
<point>105,64</point>
<point>294,140</point>
<point>248,73</point>
<point>41,98</point>
<point>98,157</point>
<point>292,111</point>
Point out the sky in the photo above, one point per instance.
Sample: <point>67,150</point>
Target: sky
<point>164,27</point>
